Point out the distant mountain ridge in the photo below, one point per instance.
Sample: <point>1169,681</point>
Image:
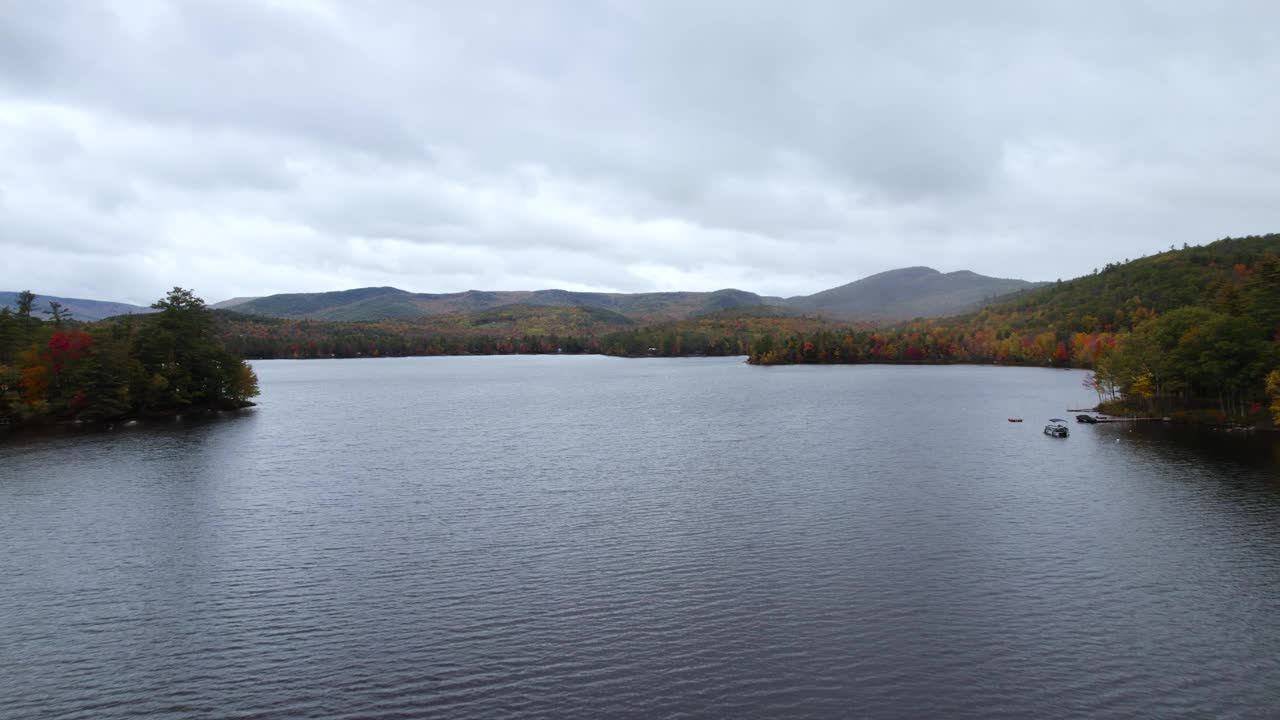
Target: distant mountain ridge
<point>81,308</point>
<point>889,296</point>
<point>885,297</point>
<point>388,303</point>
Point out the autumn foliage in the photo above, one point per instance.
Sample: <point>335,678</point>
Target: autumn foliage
<point>1197,328</point>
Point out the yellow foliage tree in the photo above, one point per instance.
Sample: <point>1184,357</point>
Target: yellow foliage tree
<point>1273,391</point>
<point>1144,385</point>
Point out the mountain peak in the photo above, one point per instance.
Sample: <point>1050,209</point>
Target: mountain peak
<point>908,292</point>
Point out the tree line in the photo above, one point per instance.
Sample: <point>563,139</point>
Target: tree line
<point>502,331</point>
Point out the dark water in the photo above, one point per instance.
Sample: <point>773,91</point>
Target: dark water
<point>592,537</point>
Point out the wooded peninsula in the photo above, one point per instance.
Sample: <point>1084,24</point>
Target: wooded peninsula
<point>166,363</point>
<point>1193,332</point>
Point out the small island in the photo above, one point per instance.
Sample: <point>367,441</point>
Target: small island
<point>166,363</point>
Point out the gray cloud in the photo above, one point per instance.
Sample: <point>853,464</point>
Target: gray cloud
<point>253,147</point>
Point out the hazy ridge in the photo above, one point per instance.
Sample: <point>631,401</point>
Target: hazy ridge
<point>81,308</point>
<point>889,296</point>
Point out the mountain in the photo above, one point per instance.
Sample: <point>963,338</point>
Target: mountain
<point>908,293</point>
<point>388,303</point>
<point>889,296</point>
<point>81,309</point>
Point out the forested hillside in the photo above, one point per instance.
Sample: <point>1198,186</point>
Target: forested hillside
<point>1123,295</point>
<point>500,330</point>
<point>510,329</point>
<point>1193,328</point>
<point>730,332</point>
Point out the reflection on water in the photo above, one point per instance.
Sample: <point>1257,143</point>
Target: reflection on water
<point>1230,452</point>
<point>585,536</point>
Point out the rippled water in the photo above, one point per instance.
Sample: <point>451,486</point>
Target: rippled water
<point>594,537</point>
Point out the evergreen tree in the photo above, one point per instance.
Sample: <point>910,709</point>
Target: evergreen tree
<point>27,323</point>
<point>9,332</point>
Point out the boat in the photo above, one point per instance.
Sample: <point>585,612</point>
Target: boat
<point>1087,419</point>
<point>1015,419</point>
<point>1056,428</point>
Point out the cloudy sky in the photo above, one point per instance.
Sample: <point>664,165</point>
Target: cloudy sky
<point>247,148</point>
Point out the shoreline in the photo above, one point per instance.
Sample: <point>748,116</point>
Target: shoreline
<point>131,420</point>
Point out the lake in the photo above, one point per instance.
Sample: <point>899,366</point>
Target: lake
<point>579,537</point>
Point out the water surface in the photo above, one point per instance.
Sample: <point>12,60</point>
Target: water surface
<point>586,536</point>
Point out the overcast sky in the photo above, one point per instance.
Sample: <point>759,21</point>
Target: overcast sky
<point>248,148</point>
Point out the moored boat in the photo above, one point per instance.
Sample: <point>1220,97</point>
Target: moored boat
<point>1056,428</point>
